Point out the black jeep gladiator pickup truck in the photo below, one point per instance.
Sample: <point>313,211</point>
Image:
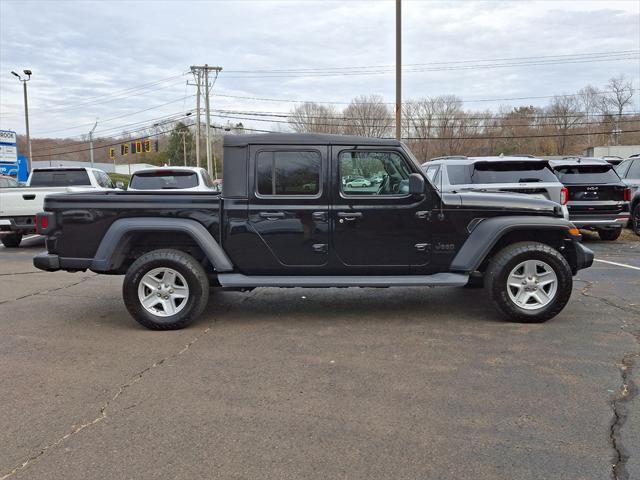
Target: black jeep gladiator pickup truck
<point>287,218</point>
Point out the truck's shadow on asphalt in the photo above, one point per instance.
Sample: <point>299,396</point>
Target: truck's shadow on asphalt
<point>408,305</point>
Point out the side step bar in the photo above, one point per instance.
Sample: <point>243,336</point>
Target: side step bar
<point>436,280</point>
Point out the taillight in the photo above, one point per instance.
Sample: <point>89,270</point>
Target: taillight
<point>627,194</point>
<point>42,223</point>
<point>564,196</point>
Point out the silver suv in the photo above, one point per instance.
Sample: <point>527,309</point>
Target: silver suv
<point>521,174</point>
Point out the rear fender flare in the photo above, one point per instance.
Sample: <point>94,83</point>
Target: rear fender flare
<point>112,249</point>
<point>489,231</point>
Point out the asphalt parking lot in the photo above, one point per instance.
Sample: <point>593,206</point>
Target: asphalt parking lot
<point>350,383</point>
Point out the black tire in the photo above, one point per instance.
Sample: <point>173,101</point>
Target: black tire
<point>12,240</point>
<point>635,219</point>
<point>506,260</point>
<point>610,234</point>
<point>188,267</point>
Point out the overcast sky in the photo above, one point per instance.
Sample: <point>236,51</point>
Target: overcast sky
<point>91,60</point>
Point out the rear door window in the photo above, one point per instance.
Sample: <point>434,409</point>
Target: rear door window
<point>569,174</point>
<point>164,180</point>
<point>59,178</point>
<point>288,172</point>
<point>511,172</point>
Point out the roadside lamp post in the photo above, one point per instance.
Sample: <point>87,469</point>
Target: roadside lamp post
<point>24,81</point>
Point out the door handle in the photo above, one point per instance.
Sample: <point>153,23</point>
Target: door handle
<point>319,216</point>
<point>349,216</point>
<point>272,215</point>
<point>29,197</point>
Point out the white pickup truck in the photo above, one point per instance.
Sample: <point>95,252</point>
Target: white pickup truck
<point>18,206</point>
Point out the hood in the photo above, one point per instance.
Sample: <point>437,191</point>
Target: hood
<point>502,201</point>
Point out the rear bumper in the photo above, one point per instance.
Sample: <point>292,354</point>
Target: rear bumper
<point>23,225</point>
<point>584,256</point>
<point>595,222</point>
<point>47,261</point>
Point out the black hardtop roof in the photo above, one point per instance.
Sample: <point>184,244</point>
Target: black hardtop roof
<point>304,139</point>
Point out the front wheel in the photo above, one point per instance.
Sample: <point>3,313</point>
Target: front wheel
<point>12,240</point>
<point>529,282</point>
<point>165,289</point>
<point>610,234</point>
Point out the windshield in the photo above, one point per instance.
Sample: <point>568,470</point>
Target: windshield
<point>164,180</point>
<point>511,172</point>
<point>587,174</point>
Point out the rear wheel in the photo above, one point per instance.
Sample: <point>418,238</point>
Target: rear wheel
<point>12,240</point>
<point>165,289</point>
<point>529,282</point>
<point>635,219</point>
<point>610,234</point>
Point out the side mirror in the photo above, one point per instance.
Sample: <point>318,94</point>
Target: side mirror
<point>416,184</point>
<point>120,185</point>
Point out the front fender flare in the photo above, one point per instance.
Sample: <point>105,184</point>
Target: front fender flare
<point>489,231</point>
<point>111,252</point>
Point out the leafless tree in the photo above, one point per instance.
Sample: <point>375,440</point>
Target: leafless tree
<point>590,100</point>
<point>368,116</point>
<point>564,113</point>
<point>617,98</point>
<point>314,118</point>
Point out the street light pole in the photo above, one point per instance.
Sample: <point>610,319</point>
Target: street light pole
<point>27,72</point>
<point>91,143</point>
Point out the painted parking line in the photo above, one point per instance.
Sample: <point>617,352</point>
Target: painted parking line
<point>617,264</point>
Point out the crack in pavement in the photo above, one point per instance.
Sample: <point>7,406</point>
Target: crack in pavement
<point>626,394</point>
<point>44,292</point>
<point>103,410</point>
<point>628,391</point>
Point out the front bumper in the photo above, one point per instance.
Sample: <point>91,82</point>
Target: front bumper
<point>584,256</point>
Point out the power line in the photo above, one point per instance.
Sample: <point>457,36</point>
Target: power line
<point>449,62</point>
<point>284,100</point>
<point>119,116</point>
<point>439,69</point>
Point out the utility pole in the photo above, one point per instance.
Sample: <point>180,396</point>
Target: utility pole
<point>398,70</point>
<point>198,124</point>
<point>91,142</point>
<point>202,77</point>
<point>27,72</point>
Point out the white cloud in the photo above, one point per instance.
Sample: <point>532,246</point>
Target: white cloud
<point>82,50</point>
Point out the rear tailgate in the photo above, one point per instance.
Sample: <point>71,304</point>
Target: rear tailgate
<point>596,199</point>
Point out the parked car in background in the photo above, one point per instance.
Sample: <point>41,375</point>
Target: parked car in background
<point>635,212</point>
<point>358,183</point>
<point>8,182</point>
<point>598,199</point>
<point>171,178</point>
<point>18,206</point>
<point>629,172</point>
<point>524,175</point>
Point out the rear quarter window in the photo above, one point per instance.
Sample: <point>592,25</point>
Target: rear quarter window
<point>587,174</point>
